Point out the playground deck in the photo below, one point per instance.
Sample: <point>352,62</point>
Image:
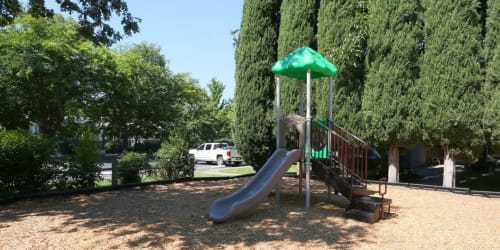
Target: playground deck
<point>175,216</point>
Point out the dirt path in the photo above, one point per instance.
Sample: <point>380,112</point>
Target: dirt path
<point>175,217</point>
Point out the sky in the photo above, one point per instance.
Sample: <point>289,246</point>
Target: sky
<point>194,35</point>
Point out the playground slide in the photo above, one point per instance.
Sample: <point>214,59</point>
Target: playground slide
<point>257,188</point>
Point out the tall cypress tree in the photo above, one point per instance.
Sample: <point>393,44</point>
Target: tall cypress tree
<point>254,93</point>
<point>297,29</point>
<point>492,87</point>
<point>390,96</point>
<point>342,32</point>
<point>451,81</point>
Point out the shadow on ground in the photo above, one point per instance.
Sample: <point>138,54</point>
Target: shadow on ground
<point>176,215</point>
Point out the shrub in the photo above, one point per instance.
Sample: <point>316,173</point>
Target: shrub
<point>130,166</point>
<point>174,160</point>
<point>85,168</point>
<point>112,147</point>
<point>24,161</point>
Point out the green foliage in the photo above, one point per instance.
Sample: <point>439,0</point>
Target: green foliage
<point>254,93</point>
<point>297,29</point>
<point>218,109</point>
<point>131,165</point>
<point>141,97</point>
<point>42,80</point>
<point>451,77</point>
<point>174,160</point>
<point>36,8</point>
<point>113,147</point>
<point>85,168</point>
<point>491,120</point>
<point>24,162</point>
<point>9,9</point>
<point>342,35</point>
<point>67,146</point>
<point>491,116</point>
<point>391,98</point>
<point>127,92</point>
<point>216,89</point>
<point>93,17</point>
<point>200,119</point>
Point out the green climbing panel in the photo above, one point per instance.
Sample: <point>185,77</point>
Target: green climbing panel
<point>319,139</point>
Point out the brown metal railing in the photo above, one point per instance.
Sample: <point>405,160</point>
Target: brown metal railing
<point>348,152</point>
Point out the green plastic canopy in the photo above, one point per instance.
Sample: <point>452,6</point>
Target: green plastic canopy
<point>296,64</point>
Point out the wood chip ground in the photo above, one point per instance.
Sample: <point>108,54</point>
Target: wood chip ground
<point>175,217</point>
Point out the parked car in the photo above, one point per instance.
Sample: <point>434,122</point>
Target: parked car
<point>216,152</point>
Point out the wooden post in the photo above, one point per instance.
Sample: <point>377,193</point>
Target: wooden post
<point>114,173</point>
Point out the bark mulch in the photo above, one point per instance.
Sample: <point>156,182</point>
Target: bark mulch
<point>174,216</point>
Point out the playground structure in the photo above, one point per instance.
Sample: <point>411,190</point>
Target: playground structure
<point>335,156</point>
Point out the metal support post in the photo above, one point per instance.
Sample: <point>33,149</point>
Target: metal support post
<point>308,138</point>
<point>278,121</point>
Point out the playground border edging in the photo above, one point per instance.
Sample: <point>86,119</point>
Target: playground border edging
<point>93,190</point>
<point>466,191</point>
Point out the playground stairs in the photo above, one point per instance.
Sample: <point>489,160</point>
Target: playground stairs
<point>362,207</point>
<point>369,209</point>
<point>344,168</point>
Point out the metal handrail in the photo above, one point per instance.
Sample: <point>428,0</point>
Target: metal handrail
<point>350,153</point>
<point>354,139</point>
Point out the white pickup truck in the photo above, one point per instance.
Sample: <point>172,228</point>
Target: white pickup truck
<point>221,153</point>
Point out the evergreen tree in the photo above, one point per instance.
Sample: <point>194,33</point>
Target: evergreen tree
<point>297,29</point>
<point>492,87</point>
<point>342,36</point>
<point>254,93</point>
<point>451,81</point>
<point>390,99</point>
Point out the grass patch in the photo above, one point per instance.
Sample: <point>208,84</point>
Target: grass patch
<point>238,170</point>
<point>217,172</point>
<point>103,183</point>
<point>224,172</point>
<point>485,181</point>
<point>293,169</point>
<point>210,174</point>
<point>233,171</point>
<point>152,178</point>
<point>107,182</point>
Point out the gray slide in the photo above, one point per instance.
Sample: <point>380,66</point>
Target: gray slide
<point>257,188</point>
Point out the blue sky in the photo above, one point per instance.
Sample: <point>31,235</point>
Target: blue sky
<point>193,35</point>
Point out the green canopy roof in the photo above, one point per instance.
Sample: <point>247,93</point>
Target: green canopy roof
<point>296,64</point>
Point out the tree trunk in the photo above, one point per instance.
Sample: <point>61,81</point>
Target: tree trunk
<point>449,169</point>
<point>124,135</point>
<point>393,173</point>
